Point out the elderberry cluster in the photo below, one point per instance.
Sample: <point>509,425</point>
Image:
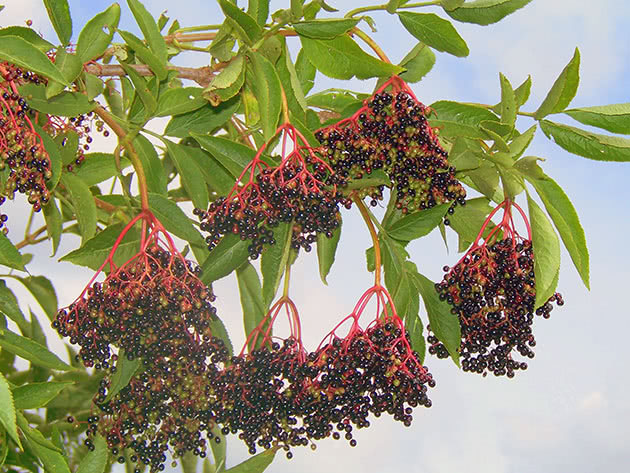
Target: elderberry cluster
<point>301,192</point>
<point>391,133</point>
<point>22,152</point>
<point>492,291</point>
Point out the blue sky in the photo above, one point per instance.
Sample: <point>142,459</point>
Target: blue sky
<point>569,410</point>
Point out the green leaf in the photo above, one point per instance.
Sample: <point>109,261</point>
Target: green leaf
<point>291,84</point>
<point>274,260</point>
<point>462,155</point>
<point>563,89</point>
<point>418,62</point>
<point>22,53</point>
<point>392,5</point>
<point>94,251</point>
<point>614,118</point>
<point>486,179</point>
<point>98,167</point>
<point>216,176</point>
<point>233,156</point>
<point>93,39</point>
<point>179,100</point>
<point>268,90</point>
<point>125,370</point>
<point>84,206</point>
<point>53,460</point>
<point>562,212</point>
<point>191,175</point>
<point>342,58</point>
<point>227,83</point>
<point>28,34</point>
<point>53,219</point>
<point>444,325</point>
<point>59,14</point>
<point>326,251</point>
<point>4,446</point>
<point>9,307</point>
<point>522,92</point>
<point>95,461</point>
<point>203,120</point>
<point>451,4</point>
<point>485,12</point>
<point>9,255</point>
<point>587,144</point>
<point>156,178</point>
<point>175,220</point>
<point>435,32</point>
<point>65,104</point>
<point>417,224</point>
<point>149,29</point>
<point>546,253</point>
<point>254,307</point>
<point>508,102</point>
<point>468,219</point>
<point>44,292</point>
<point>259,9</point>
<point>145,54</point>
<point>7,411</point>
<point>328,28</point>
<point>460,119</point>
<point>141,86</point>
<point>246,27</point>
<point>305,72</point>
<point>35,395</point>
<point>334,99</point>
<point>218,330</point>
<point>229,254</point>
<point>256,464</point>
<point>31,351</point>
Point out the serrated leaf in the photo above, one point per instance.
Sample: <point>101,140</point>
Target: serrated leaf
<point>508,102</point>
<point>451,4</point>
<point>522,92</point>
<point>153,169</point>
<point>274,260</point>
<point>246,26</point>
<point>326,251</point>
<point>460,119</point>
<point>563,89</point>
<point>444,325</point>
<point>256,464</point>
<point>203,120</point>
<point>59,14</point>
<point>142,90</point>
<point>435,32</point>
<point>305,72</point>
<point>175,220</point>
<point>35,395</point>
<point>65,104</point>
<point>259,10</point>
<point>84,206</point>
<point>587,144</point>
<point>9,254</point>
<point>291,85</point>
<point>418,62</point>
<point>179,100</point>
<point>190,174</point>
<point>28,34</point>
<point>97,34</point>
<point>227,83</point>
<point>546,253</point>
<point>229,254</point>
<point>53,460</point>
<point>4,446</point>
<point>22,53</point>
<point>98,167</point>
<point>7,411</point>
<point>232,155</point>
<point>266,85</point>
<point>9,307</point>
<point>468,219</point>
<point>31,351</point>
<point>149,29</point>
<point>217,177</point>
<point>95,461</point>
<point>145,54</point>
<point>125,370</point>
<point>342,58</point>
<point>417,224</point>
<point>54,220</point>
<point>44,292</point>
<point>614,118</point>
<point>325,28</point>
<point>562,213</point>
<point>485,12</point>
<point>335,100</point>
<point>250,290</point>
<point>485,179</point>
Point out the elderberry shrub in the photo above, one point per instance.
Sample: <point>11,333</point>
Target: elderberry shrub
<point>391,133</point>
<point>147,307</point>
<point>492,291</point>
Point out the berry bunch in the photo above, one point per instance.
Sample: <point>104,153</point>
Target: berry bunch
<point>302,189</point>
<point>22,151</point>
<point>493,293</point>
<point>390,132</point>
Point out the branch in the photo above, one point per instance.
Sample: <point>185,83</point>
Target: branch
<point>201,75</point>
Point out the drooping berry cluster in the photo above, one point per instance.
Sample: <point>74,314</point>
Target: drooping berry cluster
<point>492,290</point>
<point>301,190</point>
<point>22,152</point>
<point>390,132</point>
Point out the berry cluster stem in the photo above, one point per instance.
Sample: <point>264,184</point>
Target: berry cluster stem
<point>377,247</point>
